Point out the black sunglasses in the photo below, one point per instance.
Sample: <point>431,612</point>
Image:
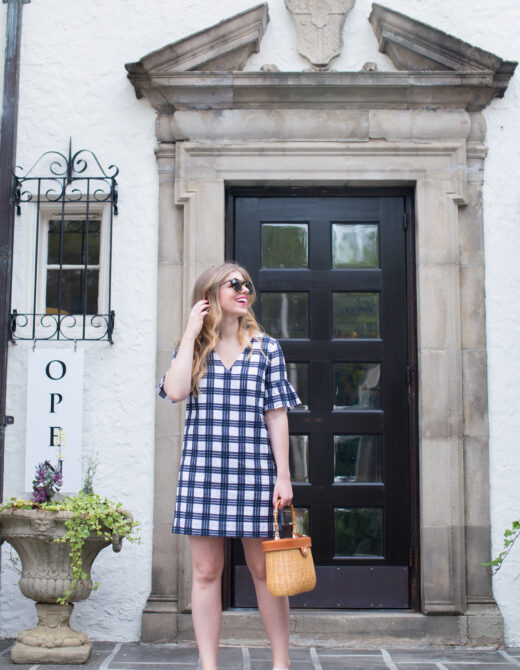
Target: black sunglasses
<point>237,284</point>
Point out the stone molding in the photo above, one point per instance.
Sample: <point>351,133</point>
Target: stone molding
<point>194,176</point>
<point>223,47</point>
<point>168,92</point>
<point>337,125</point>
<point>416,46</point>
<point>202,171</point>
<point>319,28</point>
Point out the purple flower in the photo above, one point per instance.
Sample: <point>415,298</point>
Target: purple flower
<point>46,482</point>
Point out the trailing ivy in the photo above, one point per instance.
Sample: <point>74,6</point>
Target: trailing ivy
<point>91,514</point>
<point>510,537</point>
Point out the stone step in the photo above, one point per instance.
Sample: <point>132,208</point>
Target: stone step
<point>369,629</point>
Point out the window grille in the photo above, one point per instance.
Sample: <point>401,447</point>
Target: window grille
<point>74,202</point>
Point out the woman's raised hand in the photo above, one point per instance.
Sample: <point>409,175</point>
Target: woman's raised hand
<point>196,318</point>
<point>177,383</point>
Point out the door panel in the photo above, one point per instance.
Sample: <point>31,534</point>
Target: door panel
<point>330,274</point>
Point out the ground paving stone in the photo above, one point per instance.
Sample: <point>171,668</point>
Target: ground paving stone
<point>351,663</point>
<point>137,656</point>
<point>150,653</point>
<point>447,654</point>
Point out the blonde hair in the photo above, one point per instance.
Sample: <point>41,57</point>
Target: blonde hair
<point>207,288</point>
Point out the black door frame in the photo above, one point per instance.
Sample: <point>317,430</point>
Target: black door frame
<point>232,192</point>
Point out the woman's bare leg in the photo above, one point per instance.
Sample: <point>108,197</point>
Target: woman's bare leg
<point>274,610</point>
<point>207,555</point>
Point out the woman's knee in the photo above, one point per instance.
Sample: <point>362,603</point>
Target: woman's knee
<point>255,558</point>
<point>207,557</point>
<point>207,571</point>
<point>257,569</point>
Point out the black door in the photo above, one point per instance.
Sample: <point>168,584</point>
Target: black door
<point>331,278</point>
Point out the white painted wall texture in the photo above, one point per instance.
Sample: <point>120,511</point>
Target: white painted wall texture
<point>73,83</point>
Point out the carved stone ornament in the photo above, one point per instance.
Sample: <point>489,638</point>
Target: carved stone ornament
<point>319,28</point>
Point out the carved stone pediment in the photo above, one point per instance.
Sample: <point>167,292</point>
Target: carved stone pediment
<point>416,46</point>
<point>319,28</point>
<point>199,71</point>
<point>221,48</point>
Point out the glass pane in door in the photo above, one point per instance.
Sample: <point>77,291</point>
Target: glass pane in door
<point>357,386</point>
<point>357,458</point>
<point>299,457</point>
<point>355,245</point>
<point>358,531</point>
<point>355,315</point>
<point>285,245</point>
<point>285,315</point>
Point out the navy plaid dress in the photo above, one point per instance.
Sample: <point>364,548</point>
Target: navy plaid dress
<point>227,470</point>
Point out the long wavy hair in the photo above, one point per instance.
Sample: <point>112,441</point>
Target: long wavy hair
<point>207,288</point>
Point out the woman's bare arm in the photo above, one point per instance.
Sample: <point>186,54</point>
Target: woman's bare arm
<point>278,429</point>
<point>177,383</point>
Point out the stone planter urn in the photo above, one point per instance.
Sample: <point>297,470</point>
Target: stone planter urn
<point>47,576</point>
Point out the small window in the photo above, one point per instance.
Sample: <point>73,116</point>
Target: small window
<point>74,266</point>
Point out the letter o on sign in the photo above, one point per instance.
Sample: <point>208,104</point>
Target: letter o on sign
<point>54,371</point>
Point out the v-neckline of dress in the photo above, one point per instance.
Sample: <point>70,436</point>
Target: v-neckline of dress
<point>236,359</point>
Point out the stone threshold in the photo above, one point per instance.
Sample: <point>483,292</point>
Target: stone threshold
<point>361,628</point>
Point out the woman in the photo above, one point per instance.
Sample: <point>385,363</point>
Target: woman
<point>235,462</point>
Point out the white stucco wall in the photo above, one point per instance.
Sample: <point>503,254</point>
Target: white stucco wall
<point>74,84</point>
<point>502,251</point>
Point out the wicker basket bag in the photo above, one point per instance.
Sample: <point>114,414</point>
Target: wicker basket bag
<point>288,561</point>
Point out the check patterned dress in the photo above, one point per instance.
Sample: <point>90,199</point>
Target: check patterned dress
<point>227,470</point>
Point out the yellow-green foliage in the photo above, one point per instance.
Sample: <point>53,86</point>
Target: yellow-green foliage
<point>510,537</point>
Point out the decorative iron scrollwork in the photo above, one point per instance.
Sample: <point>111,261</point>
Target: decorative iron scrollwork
<point>66,180</point>
<point>79,179</point>
<point>69,327</point>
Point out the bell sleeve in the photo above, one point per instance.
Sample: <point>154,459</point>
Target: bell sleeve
<point>278,390</point>
<point>160,386</point>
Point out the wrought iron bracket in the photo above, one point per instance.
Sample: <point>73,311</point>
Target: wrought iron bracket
<point>71,179</point>
<point>67,180</point>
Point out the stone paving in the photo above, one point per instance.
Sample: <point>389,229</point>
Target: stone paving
<point>137,656</point>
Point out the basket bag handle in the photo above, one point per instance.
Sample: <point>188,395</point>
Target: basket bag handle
<point>293,514</point>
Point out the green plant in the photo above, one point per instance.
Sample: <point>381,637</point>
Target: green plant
<point>90,473</point>
<point>91,514</point>
<point>510,537</point>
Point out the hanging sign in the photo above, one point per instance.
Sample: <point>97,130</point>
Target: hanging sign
<point>54,415</point>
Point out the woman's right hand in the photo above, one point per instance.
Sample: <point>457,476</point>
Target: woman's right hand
<point>196,319</point>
